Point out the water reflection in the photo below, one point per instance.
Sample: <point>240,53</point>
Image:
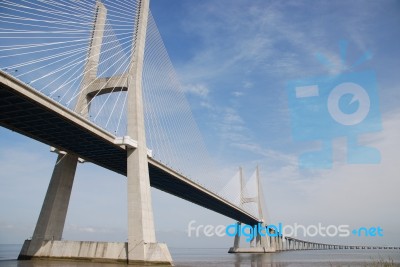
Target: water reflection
<point>256,260</point>
<point>184,257</point>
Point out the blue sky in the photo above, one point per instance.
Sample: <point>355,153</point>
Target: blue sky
<point>234,59</point>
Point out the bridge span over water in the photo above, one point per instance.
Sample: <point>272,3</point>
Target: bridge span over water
<point>24,110</point>
<point>106,33</point>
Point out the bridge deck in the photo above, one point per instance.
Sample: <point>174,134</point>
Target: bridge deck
<point>28,112</point>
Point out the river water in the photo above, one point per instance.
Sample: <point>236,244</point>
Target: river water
<point>219,257</point>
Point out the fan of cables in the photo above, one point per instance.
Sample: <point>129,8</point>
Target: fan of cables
<point>51,45</point>
<point>46,44</point>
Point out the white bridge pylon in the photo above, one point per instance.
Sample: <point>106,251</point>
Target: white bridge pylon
<point>251,199</point>
<point>142,246</point>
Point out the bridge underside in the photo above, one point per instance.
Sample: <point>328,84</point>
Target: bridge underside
<point>25,111</point>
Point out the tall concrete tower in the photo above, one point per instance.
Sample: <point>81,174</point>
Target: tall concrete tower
<point>141,246</point>
<point>259,243</point>
<point>141,233</point>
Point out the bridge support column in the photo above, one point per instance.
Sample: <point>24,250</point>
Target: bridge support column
<point>265,241</point>
<point>50,224</point>
<point>91,67</point>
<point>236,243</point>
<point>259,242</point>
<point>255,242</point>
<point>273,242</point>
<point>279,243</point>
<point>142,245</point>
<point>52,217</point>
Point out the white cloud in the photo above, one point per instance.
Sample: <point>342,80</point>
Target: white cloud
<point>5,225</point>
<point>231,116</point>
<point>206,104</point>
<point>237,93</point>
<point>197,89</point>
<point>264,36</point>
<point>248,85</point>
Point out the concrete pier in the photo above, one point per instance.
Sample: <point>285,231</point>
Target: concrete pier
<point>113,252</point>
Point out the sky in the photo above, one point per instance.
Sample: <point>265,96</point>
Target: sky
<point>236,61</point>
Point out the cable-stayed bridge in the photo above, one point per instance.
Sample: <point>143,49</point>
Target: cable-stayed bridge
<point>93,80</point>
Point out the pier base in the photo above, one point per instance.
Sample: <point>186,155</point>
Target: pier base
<point>108,252</point>
<point>252,250</point>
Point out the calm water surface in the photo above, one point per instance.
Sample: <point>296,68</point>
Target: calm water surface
<point>219,257</point>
